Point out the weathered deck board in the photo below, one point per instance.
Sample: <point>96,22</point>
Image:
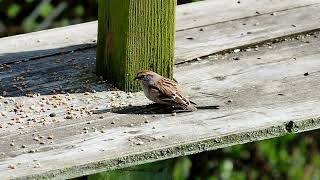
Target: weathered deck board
<point>266,94</point>
<point>217,18</point>
<point>245,31</point>
<point>211,12</point>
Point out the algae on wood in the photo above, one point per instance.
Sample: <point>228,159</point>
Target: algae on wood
<point>134,35</point>
<point>161,170</point>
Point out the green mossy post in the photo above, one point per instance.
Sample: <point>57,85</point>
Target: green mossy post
<point>134,35</point>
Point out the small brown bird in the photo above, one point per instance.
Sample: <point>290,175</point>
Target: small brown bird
<point>163,91</point>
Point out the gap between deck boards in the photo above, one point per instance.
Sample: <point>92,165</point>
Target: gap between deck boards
<point>270,96</point>
<point>221,31</point>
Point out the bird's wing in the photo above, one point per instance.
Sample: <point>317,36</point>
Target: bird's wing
<point>170,93</point>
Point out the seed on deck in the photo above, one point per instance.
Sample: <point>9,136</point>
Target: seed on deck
<point>11,166</point>
<point>3,113</point>
<point>139,143</point>
<point>236,50</point>
<point>69,117</point>
<point>53,115</point>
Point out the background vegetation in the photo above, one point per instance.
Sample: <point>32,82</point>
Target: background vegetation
<point>289,157</point>
<point>21,16</point>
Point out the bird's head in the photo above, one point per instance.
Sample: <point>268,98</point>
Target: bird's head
<point>147,77</point>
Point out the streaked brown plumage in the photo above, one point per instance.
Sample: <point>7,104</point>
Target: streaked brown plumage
<point>163,91</point>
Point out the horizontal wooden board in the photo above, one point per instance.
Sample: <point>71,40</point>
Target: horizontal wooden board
<point>261,93</point>
<point>221,21</point>
<point>206,40</point>
<point>211,12</point>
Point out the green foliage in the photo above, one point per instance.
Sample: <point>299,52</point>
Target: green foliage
<point>13,10</point>
<point>45,9</point>
<point>79,10</point>
<point>294,156</point>
<point>182,168</point>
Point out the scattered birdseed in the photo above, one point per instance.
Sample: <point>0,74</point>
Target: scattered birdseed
<point>139,143</point>
<point>69,117</point>
<point>11,144</point>
<point>32,151</point>
<point>37,165</point>
<point>146,121</point>
<point>236,50</point>
<point>112,122</point>
<point>11,166</point>
<point>3,113</point>
<point>53,115</point>
<point>50,137</point>
<point>306,74</point>
<point>23,146</point>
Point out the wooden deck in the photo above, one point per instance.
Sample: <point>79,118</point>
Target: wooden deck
<point>260,80</point>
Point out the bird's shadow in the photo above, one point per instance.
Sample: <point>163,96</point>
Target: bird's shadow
<point>152,109</point>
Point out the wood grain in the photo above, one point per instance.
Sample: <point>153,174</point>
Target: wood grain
<point>217,15</point>
<point>265,93</point>
<point>139,36</point>
<point>209,39</point>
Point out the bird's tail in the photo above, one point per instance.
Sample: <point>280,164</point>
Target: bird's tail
<point>191,107</point>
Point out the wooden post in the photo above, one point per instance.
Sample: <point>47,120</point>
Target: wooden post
<point>134,35</point>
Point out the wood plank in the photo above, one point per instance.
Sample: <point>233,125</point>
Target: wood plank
<point>197,42</point>
<point>48,42</point>
<point>207,13</point>
<point>264,94</point>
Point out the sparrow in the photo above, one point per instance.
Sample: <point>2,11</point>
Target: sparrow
<point>163,91</point>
